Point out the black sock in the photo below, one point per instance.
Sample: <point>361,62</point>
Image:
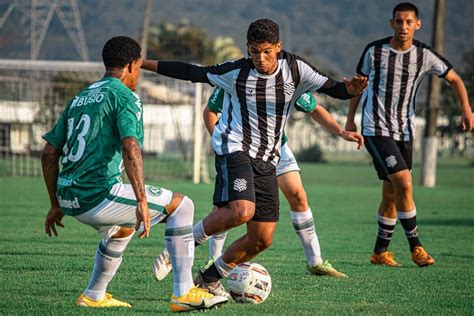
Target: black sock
<point>211,275</point>
<point>386,226</point>
<point>408,221</point>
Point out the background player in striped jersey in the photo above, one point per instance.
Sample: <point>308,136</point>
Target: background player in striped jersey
<point>395,67</point>
<point>289,180</point>
<point>98,131</point>
<point>262,90</point>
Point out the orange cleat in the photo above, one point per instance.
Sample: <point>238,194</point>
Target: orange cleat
<point>386,258</point>
<point>421,257</point>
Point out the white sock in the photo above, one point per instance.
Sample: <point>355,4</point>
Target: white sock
<point>304,226</point>
<point>199,235</point>
<point>107,261</point>
<point>223,268</point>
<point>180,245</point>
<point>216,244</point>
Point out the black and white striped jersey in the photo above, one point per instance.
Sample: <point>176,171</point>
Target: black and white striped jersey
<point>257,106</point>
<point>388,103</point>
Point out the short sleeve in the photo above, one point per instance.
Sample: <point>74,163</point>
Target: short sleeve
<point>306,103</point>
<point>310,77</point>
<point>215,102</point>
<point>363,67</point>
<point>438,65</point>
<point>57,136</point>
<point>129,116</point>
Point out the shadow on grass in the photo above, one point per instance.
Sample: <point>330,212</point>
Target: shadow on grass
<point>39,253</point>
<point>444,254</point>
<point>440,222</point>
<point>448,222</point>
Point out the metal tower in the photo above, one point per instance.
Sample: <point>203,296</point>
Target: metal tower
<point>37,16</point>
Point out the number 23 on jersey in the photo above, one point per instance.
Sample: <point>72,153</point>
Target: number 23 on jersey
<point>82,127</point>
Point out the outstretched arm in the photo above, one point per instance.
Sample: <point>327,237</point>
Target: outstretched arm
<point>322,117</point>
<point>346,89</point>
<point>461,94</point>
<point>133,163</point>
<point>50,165</point>
<point>177,70</point>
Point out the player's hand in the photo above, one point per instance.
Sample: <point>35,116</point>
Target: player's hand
<point>351,126</point>
<point>353,137</point>
<point>356,85</point>
<point>54,217</point>
<point>143,216</point>
<point>467,121</point>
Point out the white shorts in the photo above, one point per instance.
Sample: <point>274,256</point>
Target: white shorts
<point>118,209</point>
<point>287,161</point>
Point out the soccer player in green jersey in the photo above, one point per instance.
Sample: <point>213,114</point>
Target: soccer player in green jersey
<point>100,130</point>
<point>289,181</point>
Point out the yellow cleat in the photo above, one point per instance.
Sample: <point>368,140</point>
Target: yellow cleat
<point>421,257</point>
<point>107,301</point>
<point>196,299</point>
<point>385,258</point>
<point>325,268</point>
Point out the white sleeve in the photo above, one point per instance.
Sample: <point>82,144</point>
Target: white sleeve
<point>223,75</point>
<point>365,62</point>
<point>437,65</point>
<point>310,78</point>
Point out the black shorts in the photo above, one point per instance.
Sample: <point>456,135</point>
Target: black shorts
<point>389,156</point>
<point>241,177</point>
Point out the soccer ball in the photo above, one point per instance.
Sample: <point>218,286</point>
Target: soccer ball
<point>249,283</point>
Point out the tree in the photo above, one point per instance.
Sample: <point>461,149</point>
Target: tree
<point>186,42</point>
<point>450,106</point>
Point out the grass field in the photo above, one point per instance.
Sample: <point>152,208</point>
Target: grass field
<point>40,275</point>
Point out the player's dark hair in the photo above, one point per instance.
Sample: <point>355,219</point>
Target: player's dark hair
<point>263,30</point>
<point>405,6</point>
<point>120,51</point>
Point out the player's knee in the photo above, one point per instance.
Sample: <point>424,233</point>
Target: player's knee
<point>124,232</point>
<point>298,200</point>
<point>263,243</point>
<point>244,211</point>
<point>404,185</point>
<point>176,201</point>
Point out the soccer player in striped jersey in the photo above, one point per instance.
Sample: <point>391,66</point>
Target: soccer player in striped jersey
<point>100,131</point>
<point>263,89</point>
<point>395,67</point>
<point>289,181</point>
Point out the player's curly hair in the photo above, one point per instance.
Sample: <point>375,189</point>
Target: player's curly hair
<point>120,51</point>
<point>405,6</point>
<point>263,30</point>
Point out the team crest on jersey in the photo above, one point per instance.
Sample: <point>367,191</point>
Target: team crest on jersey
<point>412,68</point>
<point>391,161</point>
<point>153,191</point>
<point>289,88</point>
<point>240,185</point>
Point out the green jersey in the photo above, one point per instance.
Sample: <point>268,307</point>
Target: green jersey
<point>306,103</point>
<point>89,134</point>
